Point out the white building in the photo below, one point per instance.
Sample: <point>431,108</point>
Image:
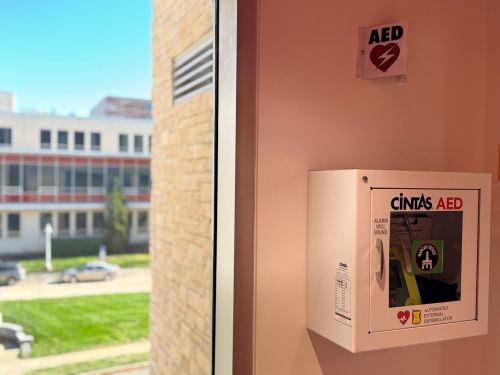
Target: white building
<point>59,169</point>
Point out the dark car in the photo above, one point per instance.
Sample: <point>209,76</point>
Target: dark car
<point>11,273</point>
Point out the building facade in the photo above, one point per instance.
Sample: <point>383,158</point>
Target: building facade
<point>59,170</point>
<point>181,200</point>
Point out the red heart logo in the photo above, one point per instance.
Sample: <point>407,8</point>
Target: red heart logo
<point>383,56</point>
<point>403,316</point>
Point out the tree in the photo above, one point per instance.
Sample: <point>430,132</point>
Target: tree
<point>117,227</point>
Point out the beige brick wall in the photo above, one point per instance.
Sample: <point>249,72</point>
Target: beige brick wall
<point>181,202</point>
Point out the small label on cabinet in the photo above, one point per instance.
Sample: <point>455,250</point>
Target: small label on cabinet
<point>343,292</point>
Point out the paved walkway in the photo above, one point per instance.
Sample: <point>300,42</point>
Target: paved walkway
<point>132,280</point>
<point>10,365</point>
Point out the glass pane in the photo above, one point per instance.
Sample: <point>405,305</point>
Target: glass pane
<point>95,140</point>
<point>81,177</point>
<point>113,174</point>
<point>45,138</point>
<point>138,143</point>
<point>30,178</point>
<point>5,136</point>
<point>98,222</point>
<point>425,260</point>
<point>127,177</point>
<point>65,179</point>
<point>13,175</point>
<point>13,225</point>
<point>97,176</point>
<point>144,179</point>
<point>63,223</point>
<point>62,140</point>
<point>48,177</point>
<point>79,140</point>
<point>123,142</point>
<point>81,223</point>
<point>45,217</point>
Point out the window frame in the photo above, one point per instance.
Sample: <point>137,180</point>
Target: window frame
<point>13,233</point>
<point>124,137</point>
<point>138,143</point>
<point>77,145</point>
<point>47,143</point>
<point>95,146</point>
<point>62,146</point>
<point>8,141</point>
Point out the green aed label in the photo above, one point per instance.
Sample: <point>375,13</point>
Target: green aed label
<point>427,256</point>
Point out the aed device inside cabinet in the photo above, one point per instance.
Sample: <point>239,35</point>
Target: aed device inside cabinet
<point>397,258</point>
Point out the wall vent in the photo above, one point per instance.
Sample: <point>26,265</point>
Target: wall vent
<point>193,71</point>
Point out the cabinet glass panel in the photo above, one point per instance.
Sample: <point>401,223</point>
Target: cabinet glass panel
<point>425,257</point>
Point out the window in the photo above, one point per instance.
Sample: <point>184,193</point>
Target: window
<point>123,142</point>
<point>62,140</point>
<point>81,179</point>
<point>81,223</point>
<point>113,174</point>
<point>65,178</point>
<point>63,223</point>
<point>45,139</point>
<point>45,218</point>
<point>149,144</point>
<point>48,177</point>
<point>5,137</point>
<point>142,221</point>
<point>13,177</point>
<point>79,141</point>
<point>13,225</point>
<point>30,181</point>
<point>97,178</point>
<point>130,220</point>
<point>97,222</point>
<point>144,179</point>
<point>138,143</point>
<point>127,177</point>
<point>95,141</point>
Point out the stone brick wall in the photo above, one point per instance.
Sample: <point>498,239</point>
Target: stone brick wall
<point>181,200</point>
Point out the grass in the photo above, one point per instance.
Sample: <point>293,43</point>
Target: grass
<point>78,368</point>
<point>78,323</point>
<point>60,264</point>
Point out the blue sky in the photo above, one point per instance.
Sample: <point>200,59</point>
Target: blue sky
<point>65,55</point>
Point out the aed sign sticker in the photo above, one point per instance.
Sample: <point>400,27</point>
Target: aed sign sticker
<point>427,256</point>
<point>382,50</point>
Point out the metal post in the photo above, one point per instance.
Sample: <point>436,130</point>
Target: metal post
<point>48,246</point>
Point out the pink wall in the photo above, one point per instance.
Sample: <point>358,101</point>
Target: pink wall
<point>313,113</point>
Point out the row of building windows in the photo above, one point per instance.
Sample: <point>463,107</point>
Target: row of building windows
<point>81,224</point>
<point>79,140</point>
<point>68,178</point>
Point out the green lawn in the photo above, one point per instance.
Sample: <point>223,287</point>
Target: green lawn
<point>92,366</point>
<point>123,260</point>
<point>71,324</point>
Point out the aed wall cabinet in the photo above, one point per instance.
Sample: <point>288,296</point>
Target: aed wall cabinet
<point>397,258</point>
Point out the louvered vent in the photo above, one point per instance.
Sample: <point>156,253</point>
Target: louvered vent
<point>193,71</point>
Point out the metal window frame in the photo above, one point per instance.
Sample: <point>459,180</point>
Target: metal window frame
<point>224,169</point>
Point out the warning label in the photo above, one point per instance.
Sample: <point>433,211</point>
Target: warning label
<point>343,292</point>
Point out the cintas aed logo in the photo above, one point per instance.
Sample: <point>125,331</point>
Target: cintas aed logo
<point>422,202</point>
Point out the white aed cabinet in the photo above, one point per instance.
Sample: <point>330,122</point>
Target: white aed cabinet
<point>397,258</point>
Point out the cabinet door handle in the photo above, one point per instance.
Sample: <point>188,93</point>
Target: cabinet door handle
<point>379,271</point>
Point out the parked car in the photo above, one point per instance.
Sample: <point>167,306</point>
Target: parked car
<point>11,273</point>
<point>92,271</point>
